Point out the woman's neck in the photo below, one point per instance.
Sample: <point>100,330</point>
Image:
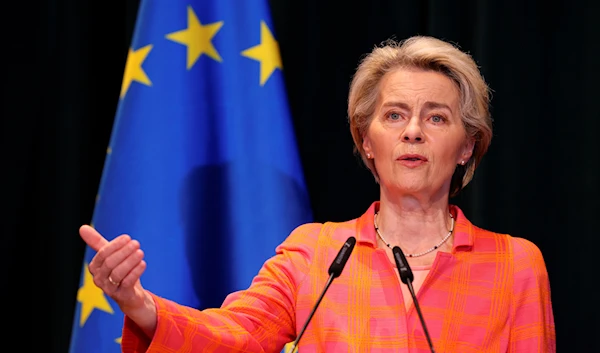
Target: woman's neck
<point>413,224</point>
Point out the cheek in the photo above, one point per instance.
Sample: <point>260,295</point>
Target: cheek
<point>449,155</point>
<point>380,144</point>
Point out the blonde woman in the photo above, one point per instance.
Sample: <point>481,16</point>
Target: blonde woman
<point>418,112</point>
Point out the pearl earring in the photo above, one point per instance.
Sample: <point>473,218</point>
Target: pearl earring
<point>368,156</point>
<point>462,162</point>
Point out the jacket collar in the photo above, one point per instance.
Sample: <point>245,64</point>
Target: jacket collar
<point>463,228</point>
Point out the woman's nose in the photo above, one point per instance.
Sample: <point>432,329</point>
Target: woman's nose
<point>413,132</point>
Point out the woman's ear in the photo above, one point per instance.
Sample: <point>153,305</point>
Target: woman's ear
<point>467,151</point>
<point>366,145</point>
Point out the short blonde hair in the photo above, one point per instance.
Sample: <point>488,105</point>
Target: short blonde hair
<point>424,53</point>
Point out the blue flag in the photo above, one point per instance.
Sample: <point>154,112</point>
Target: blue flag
<point>202,166</point>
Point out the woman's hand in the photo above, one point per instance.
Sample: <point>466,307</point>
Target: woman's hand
<point>117,268</point>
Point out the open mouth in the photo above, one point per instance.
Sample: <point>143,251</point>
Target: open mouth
<point>412,158</point>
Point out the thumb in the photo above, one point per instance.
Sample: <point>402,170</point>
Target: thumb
<point>92,238</point>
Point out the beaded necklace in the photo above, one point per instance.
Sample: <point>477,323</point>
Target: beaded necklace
<point>417,254</point>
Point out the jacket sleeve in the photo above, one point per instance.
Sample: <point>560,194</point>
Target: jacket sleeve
<point>532,323</point>
<point>259,319</point>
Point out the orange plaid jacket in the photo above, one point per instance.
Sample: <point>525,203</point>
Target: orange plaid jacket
<point>490,294</point>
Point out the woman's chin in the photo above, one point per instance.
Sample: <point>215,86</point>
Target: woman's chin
<point>406,189</point>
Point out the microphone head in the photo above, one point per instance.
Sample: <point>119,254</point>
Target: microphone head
<point>342,257</point>
<point>403,267</point>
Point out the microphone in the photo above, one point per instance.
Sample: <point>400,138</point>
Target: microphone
<point>335,270</point>
<point>407,277</point>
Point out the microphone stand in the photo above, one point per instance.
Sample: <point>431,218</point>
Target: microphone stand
<point>416,303</point>
<point>335,270</point>
<point>407,277</point>
<point>331,277</point>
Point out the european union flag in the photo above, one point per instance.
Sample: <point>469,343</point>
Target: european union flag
<point>202,166</point>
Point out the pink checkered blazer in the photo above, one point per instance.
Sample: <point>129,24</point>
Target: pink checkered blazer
<point>491,293</point>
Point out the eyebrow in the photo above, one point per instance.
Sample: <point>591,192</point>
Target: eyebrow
<point>428,105</point>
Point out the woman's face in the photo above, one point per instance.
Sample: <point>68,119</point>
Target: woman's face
<point>416,136</point>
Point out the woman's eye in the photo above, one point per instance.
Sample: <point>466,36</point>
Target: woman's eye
<point>394,116</point>
<point>437,119</point>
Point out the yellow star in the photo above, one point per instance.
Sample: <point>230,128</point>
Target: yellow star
<point>197,38</point>
<point>118,340</point>
<point>133,68</point>
<point>288,348</point>
<point>267,52</point>
<point>91,297</point>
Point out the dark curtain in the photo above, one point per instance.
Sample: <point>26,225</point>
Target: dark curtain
<point>63,66</point>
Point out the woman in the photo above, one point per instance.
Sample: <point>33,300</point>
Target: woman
<point>419,117</point>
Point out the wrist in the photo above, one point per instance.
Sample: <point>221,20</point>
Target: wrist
<point>145,315</point>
